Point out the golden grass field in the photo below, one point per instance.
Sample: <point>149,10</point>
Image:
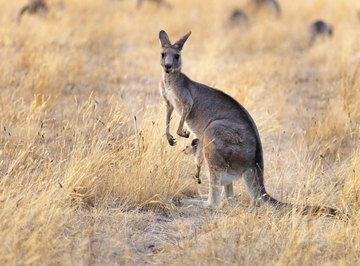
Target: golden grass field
<point>88,178</point>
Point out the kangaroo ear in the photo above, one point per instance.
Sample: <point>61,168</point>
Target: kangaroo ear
<point>180,43</point>
<point>164,39</point>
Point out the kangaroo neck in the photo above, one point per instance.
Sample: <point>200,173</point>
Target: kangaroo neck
<point>171,78</point>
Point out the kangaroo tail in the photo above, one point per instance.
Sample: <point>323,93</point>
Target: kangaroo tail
<point>307,209</point>
<point>255,183</point>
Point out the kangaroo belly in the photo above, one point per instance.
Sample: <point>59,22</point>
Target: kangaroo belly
<point>196,127</point>
<point>226,178</point>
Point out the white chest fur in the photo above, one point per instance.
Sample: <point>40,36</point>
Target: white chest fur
<point>170,94</point>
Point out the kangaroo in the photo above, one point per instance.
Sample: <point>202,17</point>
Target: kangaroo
<point>228,139</point>
<point>320,28</point>
<point>274,4</point>
<point>158,2</point>
<point>34,6</point>
<point>238,16</point>
<point>195,150</point>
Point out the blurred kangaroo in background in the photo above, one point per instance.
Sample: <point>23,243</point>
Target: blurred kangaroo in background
<point>273,4</point>
<point>238,16</point>
<point>320,29</point>
<point>34,6</point>
<point>227,137</point>
<point>158,2</point>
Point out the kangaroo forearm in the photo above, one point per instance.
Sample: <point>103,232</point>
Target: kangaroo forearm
<point>186,111</point>
<point>169,111</point>
<point>181,124</point>
<point>181,131</point>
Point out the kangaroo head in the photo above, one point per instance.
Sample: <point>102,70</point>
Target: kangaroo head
<point>171,53</point>
<point>193,148</point>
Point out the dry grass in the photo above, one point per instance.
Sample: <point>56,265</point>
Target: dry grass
<point>86,174</point>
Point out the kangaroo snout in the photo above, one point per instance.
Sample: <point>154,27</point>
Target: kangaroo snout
<point>168,67</point>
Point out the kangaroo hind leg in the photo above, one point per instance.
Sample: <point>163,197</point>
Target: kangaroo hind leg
<point>228,191</point>
<point>215,197</point>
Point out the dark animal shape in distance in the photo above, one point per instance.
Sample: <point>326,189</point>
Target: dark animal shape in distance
<point>158,2</point>
<point>274,4</point>
<point>34,7</point>
<point>320,29</point>
<point>238,16</point>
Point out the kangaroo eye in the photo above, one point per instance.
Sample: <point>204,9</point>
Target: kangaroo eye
<point>177,56</point>
<point>162,55</point>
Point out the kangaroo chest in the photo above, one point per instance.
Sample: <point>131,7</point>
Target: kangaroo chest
<point>170,94</point>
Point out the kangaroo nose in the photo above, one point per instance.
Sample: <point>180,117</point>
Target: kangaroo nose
<point>167,66</point>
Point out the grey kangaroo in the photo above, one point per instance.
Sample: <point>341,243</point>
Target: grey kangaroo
<point>320,29</point>
<point>158,2</point>
<point>34,6</point>
<point>238,16</point>
<point>228,139</point>
<point>258,4</point>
